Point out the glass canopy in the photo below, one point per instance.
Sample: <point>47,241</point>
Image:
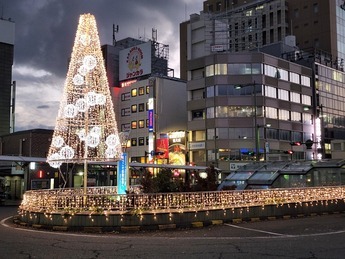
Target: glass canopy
<point>275,174</point>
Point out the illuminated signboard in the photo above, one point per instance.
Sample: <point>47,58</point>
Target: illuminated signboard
<point>318,137</point>
<point>151,120</point>
<point>150,115</point>
<point>162,145</point>
<point>122,174</point>
<point>128,83</point>
<point>177,148</point>
<point>135,61</point>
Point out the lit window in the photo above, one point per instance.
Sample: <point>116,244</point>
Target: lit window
<point>133,125</point>
<point>305,81</point>
<point>296,116</point>
<point>283,94</point>
<point>294,78</point>
<point>210,70</point>
<point>284,115</point>
<point>270,91</point>
<point>133,141</point>
<point>141,90</point>
<point>134,108</point>
<point>141,141</point>
<point>141,124</point>
<point>221,69</point>
<point>134,92</point>
<point>295,97</point>
<point>306,99</point>
<point>271,113</point>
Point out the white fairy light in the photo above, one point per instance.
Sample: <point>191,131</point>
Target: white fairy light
<point>70,111</point>
<point>89,62</point>
<point>57,141</point>
<point>82,134</point>
<point>86,115</point>
<point>101,99</point>
<point>91,98</point>
<point>83,70</point>
<point>78,80</point>
<point>85,39</point>
<point>54,160</point>
<point>66,152</point>
<point>110,152</point>
<point>81,105</point>
<point>92,140</point>
<point>96,130</point>
<point>112,140</point>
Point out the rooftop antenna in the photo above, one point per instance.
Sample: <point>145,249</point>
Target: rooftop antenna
<point>154,34</point>
<point>185,11</point>
<point>115,30</point>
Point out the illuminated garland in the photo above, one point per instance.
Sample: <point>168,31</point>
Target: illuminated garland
<point>85,128</point>
<point>104,200</point>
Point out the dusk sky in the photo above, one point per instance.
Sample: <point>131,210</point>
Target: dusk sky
<point>44,37</point>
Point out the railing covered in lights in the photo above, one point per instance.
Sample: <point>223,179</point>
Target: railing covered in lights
<point>105,200</point>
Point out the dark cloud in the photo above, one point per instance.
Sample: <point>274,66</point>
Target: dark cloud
<point>45,32</point>
<point>45,29</point>
<point>43,107</point>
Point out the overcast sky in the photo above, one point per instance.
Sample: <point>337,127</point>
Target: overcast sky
<point>45,31</point>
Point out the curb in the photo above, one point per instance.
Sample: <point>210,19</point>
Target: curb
<point>162,227</point>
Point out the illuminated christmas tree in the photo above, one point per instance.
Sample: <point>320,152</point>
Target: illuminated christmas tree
<point>85,127</point>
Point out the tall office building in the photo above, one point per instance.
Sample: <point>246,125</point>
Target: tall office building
<point>6,62</point>
<point>299,44</point>
<point>246,24</point>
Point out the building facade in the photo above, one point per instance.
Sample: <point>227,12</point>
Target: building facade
<point>248,106</point>
<point>6,61</point>
<point>150,106</point>
<point>304,42</point>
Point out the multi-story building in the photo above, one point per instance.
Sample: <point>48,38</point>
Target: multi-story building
<point>316,24</point>
<point>150,105</point>
<point>6,62</point>
<point>248,106</point>
<point>312,68</point>
<point>152,111</point>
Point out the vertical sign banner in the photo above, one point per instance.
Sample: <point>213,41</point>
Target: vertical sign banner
<point>122,175</point>
<point>150,115</point>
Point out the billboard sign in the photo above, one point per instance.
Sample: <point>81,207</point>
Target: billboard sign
<point>135,61</point>
<point>122,175</point>
<point>177,148</point>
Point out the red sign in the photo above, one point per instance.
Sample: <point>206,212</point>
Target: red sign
<point>162,145</point>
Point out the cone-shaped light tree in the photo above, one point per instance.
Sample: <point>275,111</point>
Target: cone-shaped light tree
<point>85,127</point>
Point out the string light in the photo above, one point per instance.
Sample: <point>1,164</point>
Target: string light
<point>86,118</point>
<point>103,201</point>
